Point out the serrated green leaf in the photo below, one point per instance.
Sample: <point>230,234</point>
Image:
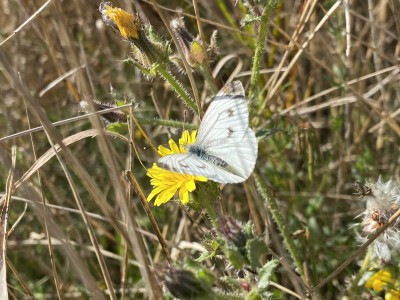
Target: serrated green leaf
<point>215,245</point>
<point>255,248</point>
<point>235,258</point>
<point>248,229</point>
<point>265,272</point>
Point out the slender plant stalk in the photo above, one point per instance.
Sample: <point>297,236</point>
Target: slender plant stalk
<point>139,127</point>
<point>258,54</point>
<point>166,123</point>
<point>209,78</point>
<point>354,282</point>
<point>177,86</point>
<point>147,209</point>
<point>287,239</point>
<point>227,14</point>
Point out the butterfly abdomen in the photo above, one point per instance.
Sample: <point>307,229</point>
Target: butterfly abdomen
<point>202,154</point>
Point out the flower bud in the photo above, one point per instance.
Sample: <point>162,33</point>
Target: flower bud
<point>192,48</point>
<point>112,116</point>
<point>183,284</point>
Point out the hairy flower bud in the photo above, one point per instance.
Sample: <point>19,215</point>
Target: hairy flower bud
<point>183,284</point>
<point>192,48</point>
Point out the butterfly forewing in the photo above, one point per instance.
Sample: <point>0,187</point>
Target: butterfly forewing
<point>226,117</point>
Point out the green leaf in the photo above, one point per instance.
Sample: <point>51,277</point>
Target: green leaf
<point>118,127</point>
<point>255,248</point>
<point>206,276</point>
<point>265,273</point>
<point>249,18</point>
<point>205,255</point>
<point>254,294</point>
<point>235,258</point>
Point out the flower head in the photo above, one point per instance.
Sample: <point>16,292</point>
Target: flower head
<point>147,47</point>
<point>384,280</point>
<point>233,232</point>
<point>193,48</point>
<point>112,116</point>
<point>167,183</point>
<point>379,280</point>
<point>382,201</point>
<point>128,25</point>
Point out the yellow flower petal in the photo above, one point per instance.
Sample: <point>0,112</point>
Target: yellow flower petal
<point>166,183</point>
<point>379,280</point>
<point>126,22</point>
<point>190,185</point>
<point>184,195</point>
<point>378,285</point>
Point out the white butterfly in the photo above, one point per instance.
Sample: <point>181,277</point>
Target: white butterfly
<point>226,148</point>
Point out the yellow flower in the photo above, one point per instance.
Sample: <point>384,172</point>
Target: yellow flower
<point>166,183</point>
<point>392,295</point>
<point>383,280</point>
<point>379,280</point>
<point>127,23</point>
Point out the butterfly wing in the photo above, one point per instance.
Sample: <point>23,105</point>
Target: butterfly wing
<point>224,132</point>
<point>227,113</point>
<point>188,163</point>
<point>224,137</point>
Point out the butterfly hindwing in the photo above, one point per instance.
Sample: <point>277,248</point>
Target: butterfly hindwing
<point>240,153</point>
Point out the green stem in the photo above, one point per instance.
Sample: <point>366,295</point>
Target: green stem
<point>209,78</point>
<point>258,54</point>
<point>177,86</point>
<point>207,197</point>
<point>166,123</point>
<point>354,287</point>
<point>228,15</point>
<point>287,239</point>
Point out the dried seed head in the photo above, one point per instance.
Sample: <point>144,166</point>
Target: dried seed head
<point>382,202</point>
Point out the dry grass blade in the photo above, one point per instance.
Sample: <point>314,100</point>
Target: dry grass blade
<point>30,19</point>
<point>3,229</point>
<point>52,152</point>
